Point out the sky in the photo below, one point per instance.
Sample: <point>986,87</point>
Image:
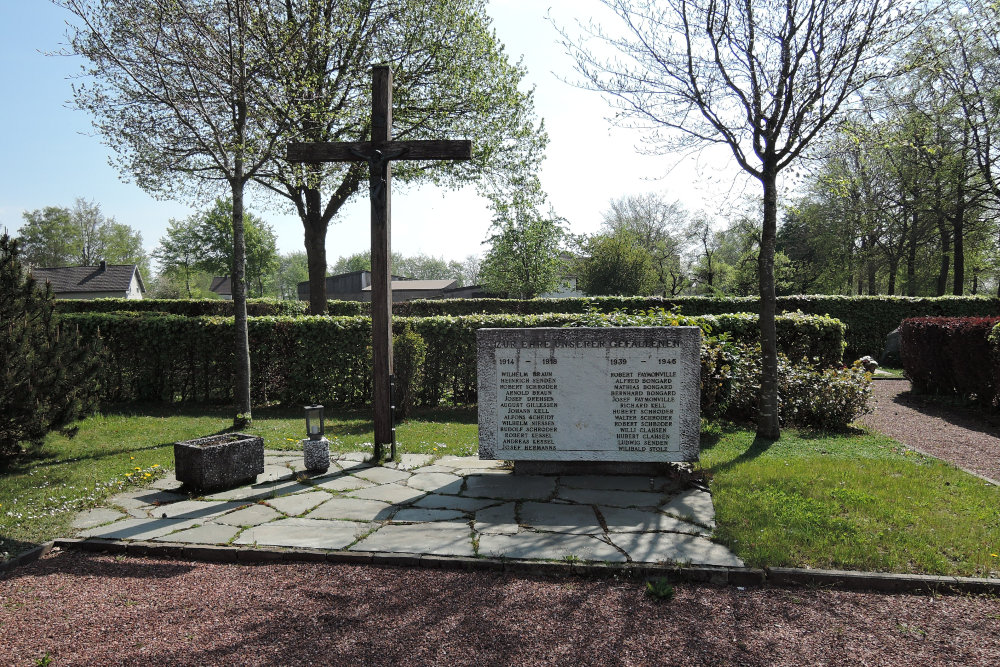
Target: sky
<point>49,155</point>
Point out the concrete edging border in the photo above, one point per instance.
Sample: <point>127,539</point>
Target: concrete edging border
<point>732,576</point>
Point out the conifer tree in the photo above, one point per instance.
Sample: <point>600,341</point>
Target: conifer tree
<point>48,377</point>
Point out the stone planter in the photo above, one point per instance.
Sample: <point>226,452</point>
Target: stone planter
<point>219,461</point>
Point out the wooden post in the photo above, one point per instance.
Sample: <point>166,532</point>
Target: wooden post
<point>380,176</point>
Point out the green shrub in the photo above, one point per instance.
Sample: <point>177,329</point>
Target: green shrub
<point>808,395</point>
<point>408,354</point>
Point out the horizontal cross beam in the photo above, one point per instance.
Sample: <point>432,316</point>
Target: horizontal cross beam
<point>348,151</point>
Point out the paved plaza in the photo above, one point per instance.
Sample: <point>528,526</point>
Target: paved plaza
<point>449,506</point>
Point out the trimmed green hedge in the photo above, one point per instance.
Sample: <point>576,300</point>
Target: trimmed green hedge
<point>186,307</point>
<point>168,358</point>
<point>869,319</point>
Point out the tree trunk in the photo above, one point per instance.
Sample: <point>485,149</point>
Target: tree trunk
<point>767,402</point>
<point>315,228</point>
<point>241,359</point>
<point>911,260</point>
<point>958,234</point>
<point>893,268</point>
<point>942,281</point>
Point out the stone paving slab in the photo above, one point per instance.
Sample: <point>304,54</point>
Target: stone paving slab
<point>460,503</point>
<point>469,463</point>
<point>673,547</point>
<point>498,520</point>
<point>194,509</point>
<point>622,520</point>
<point>144,498</point>
<point>693,504</point>
<point>577,519</point>
<point>523,487</point>
<point>211,533</point>
<point>342,483</point>
<point>356,509</point>
<point>139,529</point>
<point>389,493</point>
<point>611,497</point>
<point>417,514</point>
<point>436,482</point>
<point>383,475</point>
<point>548,546</point>
<point>249,516</point>
<point>95,517</point>
<point>299,503</point>
<point>305,533</point>
<point>608,482</point>
<point>439,539</point>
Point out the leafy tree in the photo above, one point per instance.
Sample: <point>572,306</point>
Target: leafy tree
<point>204,243</point>
<point>47,376</point>
<point>763,81</point>
<point>179,253</point>
<point>524,255</point>
<point>182,91</point>
<point>293,268</point>
<point>48,236</point>
<point>174,283</point>
<point>658,227</point>
<point>618,264</point>
<point>451,78</point>
<point>83,235</point>
<point>213,232</point>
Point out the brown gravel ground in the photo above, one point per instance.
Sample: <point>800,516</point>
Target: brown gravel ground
<point>90,609</point>
<point>966,437</point>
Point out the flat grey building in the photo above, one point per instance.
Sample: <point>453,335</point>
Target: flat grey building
<point>357,286</point>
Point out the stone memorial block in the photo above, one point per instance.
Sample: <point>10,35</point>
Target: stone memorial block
<point>589,394</point>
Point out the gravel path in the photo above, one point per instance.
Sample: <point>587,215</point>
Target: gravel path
<point>964,436</point>
<point>89,609</point>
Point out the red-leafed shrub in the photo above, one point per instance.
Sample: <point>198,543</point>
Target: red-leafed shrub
<point>950,355</point>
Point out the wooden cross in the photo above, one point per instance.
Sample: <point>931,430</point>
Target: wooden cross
<point>378,153</point>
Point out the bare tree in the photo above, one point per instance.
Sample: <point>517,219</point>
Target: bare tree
<point>658,226</point>
<point>763,78</point>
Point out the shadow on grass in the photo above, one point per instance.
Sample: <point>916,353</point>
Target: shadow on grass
<point>756,448</point>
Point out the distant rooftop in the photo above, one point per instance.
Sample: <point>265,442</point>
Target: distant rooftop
<point>101,278</point>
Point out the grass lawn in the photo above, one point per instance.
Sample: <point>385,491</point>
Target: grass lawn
<point>856,501</point>
<point>853,502</point>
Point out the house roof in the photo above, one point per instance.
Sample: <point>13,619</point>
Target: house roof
<point>408,285</point>
<point>221,285</point>
<point>102,278</point>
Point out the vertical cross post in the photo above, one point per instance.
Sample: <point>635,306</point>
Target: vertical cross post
<point>380,175</point>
